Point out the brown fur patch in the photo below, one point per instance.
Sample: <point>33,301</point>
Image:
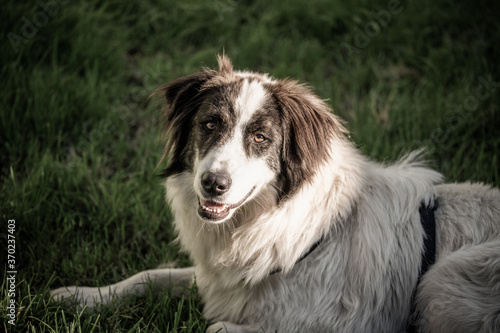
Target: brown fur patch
<point>309,128</point>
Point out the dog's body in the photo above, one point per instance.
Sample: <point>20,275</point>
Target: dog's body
<point>291,229</point>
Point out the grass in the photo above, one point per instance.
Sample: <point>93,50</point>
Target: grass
<point>80,142</point>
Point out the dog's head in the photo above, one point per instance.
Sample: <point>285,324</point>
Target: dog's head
<point>240,133</point>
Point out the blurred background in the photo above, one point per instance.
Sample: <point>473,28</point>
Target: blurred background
<point>79,139</point>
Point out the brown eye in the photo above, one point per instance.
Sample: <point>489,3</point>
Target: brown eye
<point>210,126</point>
<point>259,138</point>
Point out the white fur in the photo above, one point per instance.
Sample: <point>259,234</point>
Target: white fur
<point>362,276</point>
<point>251,98</point>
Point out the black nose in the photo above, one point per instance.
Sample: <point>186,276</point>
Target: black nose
<point>215,183</point>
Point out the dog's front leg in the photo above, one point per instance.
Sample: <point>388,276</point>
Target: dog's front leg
<point>227,327</point>
<point>136,285</point>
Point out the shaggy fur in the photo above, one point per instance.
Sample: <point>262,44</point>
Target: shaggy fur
<point>260,170</point>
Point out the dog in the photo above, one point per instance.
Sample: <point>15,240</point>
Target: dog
<point>291,229</point>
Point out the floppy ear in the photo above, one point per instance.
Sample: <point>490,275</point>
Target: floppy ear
<point>182,100</point>
<point>308,130</point>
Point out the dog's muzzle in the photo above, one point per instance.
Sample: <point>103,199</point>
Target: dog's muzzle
<point>214,185</point>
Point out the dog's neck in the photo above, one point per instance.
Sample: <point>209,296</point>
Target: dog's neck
<point>264,237</point>
<point>277,238</point>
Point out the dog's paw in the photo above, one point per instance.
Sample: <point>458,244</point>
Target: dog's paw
<point>80,296</point>
<point>227,327</point>
<point>220,327</point>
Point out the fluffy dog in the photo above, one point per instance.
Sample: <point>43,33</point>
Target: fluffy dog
<point>291,229</point>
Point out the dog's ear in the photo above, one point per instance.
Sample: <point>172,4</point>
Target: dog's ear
<point>182,99</point>
<point>308,130</point>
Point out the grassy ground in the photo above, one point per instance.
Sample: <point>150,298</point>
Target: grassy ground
<point>79,142</point>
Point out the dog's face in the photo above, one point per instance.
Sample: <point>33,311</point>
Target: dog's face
<point>239,134</point>
<point>236,138</point>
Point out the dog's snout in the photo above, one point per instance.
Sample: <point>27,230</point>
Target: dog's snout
<point>215,183</point>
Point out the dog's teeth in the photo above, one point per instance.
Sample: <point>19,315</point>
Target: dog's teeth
<point>213,210</point>
<point>208,209</point>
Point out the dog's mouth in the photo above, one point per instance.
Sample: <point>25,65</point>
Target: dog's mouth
<point>214,211</point>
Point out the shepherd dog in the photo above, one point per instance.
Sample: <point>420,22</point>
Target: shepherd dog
<point>291,229</point>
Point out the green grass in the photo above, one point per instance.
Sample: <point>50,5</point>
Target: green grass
<point>80,142</point>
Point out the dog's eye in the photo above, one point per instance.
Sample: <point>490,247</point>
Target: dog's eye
<point>210,125</point>
<point>259,138</point>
